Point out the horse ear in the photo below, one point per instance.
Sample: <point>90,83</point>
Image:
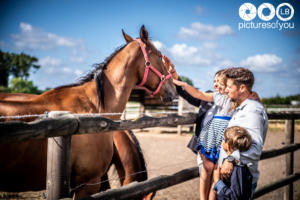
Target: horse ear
<point>144,34</point>
<point>127,37</point>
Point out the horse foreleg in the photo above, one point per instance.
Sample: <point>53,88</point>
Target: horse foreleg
<point>104,185</point>
<point>87,189</point>
<point>91,157</point>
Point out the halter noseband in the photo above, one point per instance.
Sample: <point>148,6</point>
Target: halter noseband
<point>149,66</point>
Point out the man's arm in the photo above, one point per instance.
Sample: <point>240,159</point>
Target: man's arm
<point>227,166</point>
<point>253,120</point>
<point>255,126</point>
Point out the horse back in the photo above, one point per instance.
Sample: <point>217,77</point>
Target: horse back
<point>16,96</point>
<point>72,99</point>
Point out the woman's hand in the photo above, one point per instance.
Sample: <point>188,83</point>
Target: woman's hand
<point>170,67</point>
<point>254,96</point>
<point>168,64</point>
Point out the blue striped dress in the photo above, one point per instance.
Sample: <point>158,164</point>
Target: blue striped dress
<point>212,132</point>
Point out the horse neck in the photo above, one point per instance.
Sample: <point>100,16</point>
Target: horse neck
<point>120,77</point>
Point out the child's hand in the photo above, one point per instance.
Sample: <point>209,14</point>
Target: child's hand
<point>179,83</point>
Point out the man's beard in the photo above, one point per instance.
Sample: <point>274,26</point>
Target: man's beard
<point>237,99</point>
<point>233,100</point>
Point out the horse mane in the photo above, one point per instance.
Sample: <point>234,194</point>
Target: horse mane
<point>96,74</point>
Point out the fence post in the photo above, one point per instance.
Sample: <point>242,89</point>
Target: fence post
<point>141,112</point>
<point>180,110</point>
<point>58,164</point>
<point>290,132</point>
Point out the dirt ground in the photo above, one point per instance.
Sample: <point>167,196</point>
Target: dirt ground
<point>166,154</point>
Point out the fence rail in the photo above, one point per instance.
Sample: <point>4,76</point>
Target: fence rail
<point>283,115</point>
<point>138,190</point>
<point>66,124</point>
<point>277,152</point>
<point>277,184</point>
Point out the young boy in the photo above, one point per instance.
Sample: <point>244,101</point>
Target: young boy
<point>240,183</point>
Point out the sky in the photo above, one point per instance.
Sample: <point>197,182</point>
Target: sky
<point>199,36</point>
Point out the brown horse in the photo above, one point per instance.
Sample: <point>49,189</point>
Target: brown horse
<point>106,89</point>
<point>128,157</point>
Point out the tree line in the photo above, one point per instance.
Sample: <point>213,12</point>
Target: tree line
<point>281,100</point>
<point>14,73</point>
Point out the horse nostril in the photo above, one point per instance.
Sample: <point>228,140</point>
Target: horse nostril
<point>167,99</point>
<point>172,95</point>
<point>169,96</point>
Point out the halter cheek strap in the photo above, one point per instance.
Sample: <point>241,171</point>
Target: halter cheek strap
<point>148,66</point>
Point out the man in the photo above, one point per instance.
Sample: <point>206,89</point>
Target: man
<point>249,114</point>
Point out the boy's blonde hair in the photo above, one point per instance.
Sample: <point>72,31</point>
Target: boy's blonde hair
<point>237,138</point>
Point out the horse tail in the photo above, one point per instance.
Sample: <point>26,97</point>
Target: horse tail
<point>141,155</point>
<point>144,172</point>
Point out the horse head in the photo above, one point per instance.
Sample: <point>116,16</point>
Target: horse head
<point>152,76</point>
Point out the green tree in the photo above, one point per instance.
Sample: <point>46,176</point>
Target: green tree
<point>281,100</point>
<point>15,65</point>
<point>19,85</point>
<point>187,80</point>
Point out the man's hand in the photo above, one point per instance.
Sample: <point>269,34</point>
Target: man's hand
<point>226,169</point>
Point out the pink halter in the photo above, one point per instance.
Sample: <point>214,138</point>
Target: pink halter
<point>149,66</point>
